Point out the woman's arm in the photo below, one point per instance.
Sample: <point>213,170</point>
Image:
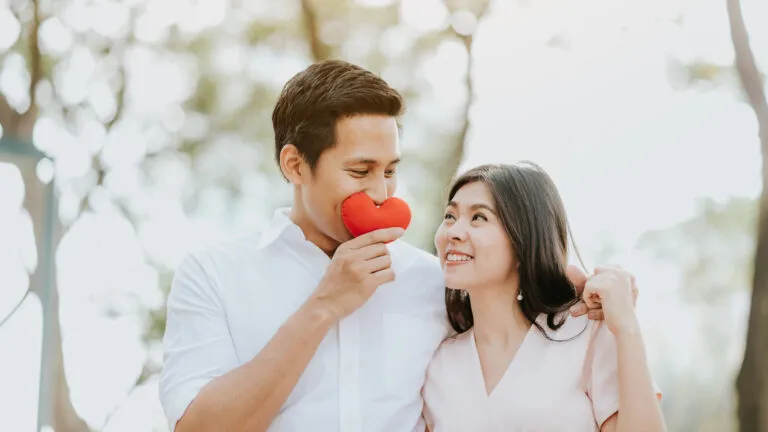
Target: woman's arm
<point>639,406</point>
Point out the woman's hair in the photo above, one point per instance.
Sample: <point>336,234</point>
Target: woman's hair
<point>533,215</point>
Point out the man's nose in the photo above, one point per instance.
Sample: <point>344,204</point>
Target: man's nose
<point>378,192</point>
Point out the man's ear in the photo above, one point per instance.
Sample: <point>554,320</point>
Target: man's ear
<point>292,164</point>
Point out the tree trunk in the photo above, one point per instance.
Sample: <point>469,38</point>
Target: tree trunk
<point>752,382</point>
<point>320,51</point>
<point>56,407</point>
<point>448,167</point>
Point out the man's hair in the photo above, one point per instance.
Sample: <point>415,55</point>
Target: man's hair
<point>313,101</point>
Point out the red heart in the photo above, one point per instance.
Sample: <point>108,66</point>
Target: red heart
<point>361,215</point>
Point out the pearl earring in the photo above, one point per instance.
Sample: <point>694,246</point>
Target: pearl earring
<point>520,297</point>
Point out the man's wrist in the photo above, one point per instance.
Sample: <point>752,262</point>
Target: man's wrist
<point>628,328</point>
<point>321,312</point>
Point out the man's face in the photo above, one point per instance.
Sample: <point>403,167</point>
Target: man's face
<point>365,159</point>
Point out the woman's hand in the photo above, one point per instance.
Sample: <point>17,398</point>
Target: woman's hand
<point>611,288</point>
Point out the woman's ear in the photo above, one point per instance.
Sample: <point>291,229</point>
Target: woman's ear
<point>291,164</point>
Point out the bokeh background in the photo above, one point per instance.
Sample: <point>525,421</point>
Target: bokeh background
<point>136,131</point>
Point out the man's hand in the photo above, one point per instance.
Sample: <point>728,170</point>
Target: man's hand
<point>357,268</point>
<point>579,279</point>
<point>611,289</point>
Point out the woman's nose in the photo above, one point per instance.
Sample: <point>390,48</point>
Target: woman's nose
<point>457,231</point>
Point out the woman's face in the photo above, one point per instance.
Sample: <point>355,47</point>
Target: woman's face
<point>472,244</point>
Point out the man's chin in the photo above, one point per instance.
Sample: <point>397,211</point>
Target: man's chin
<point>340,236</point>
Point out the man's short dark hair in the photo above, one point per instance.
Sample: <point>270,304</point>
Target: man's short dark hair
<point>315,99</point>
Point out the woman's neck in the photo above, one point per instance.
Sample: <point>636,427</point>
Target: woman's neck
<point>497,316</point>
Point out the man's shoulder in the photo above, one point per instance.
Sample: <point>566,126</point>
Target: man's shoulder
<point>414,254</point>
<point>222,252</point>
<point>419,272</point>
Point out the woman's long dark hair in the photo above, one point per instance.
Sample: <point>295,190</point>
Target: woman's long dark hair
<point>533,215</point>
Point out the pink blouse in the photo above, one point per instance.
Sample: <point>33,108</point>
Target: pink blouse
<point>548,386</point>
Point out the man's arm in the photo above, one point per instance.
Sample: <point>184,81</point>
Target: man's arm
<point>249,397</point>
<point>201,385</point>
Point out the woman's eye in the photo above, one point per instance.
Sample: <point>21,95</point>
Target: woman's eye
<point>479,217</point>
<point>448,216</point>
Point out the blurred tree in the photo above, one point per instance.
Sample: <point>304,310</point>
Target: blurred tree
<point>714,251</point>
<point>752,382</point>
<point>17,120</point>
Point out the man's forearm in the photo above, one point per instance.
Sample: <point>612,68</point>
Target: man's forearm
<point>249,397</point>
<point>639,408</point>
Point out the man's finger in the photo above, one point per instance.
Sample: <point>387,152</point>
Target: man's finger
<point>577,277</point>
<point>635,291</point>
<point>596,315</point>
<point>383,235</point>
<point>579,309</point>
<point>378,264</point>
<point>383,276</point>
<point>607,267</point>
<point>373,251</point>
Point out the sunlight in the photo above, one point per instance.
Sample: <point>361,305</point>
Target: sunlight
<point>10,28</point>
<point>424,15</point>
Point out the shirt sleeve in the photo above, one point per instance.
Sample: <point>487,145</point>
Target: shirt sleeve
<point>603,384</point>
<point>197,345</point>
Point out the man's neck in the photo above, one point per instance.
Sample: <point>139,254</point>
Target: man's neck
<point>311,233</point>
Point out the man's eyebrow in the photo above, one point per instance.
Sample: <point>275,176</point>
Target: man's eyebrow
<point>366,161</point>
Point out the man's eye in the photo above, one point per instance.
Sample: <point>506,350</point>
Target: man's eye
<point>358,173</point>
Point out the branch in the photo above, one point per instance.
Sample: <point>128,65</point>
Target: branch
<point>26,121</point>
<point>7,117</point>
<point>747,69</point>
<point>457,152</point>
<point>122,70</point>
<point>36,60</point>
<point>146,373</point>
<point>320,51</point>
<point>120,96</point>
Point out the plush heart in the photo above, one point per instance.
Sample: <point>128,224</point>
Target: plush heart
<point>361,215</point>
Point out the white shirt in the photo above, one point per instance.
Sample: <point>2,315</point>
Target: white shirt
<point>227,302</point>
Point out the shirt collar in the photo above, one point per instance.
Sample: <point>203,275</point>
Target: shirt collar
<point>281,225</point>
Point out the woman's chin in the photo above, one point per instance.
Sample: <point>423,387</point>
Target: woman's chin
<point>456,283</point>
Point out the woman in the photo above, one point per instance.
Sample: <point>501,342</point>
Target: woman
<point>519,362</point>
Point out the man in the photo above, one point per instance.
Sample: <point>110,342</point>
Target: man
<point>302,328</point>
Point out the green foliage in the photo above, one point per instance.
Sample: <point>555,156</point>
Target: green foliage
<point>714,249</point>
